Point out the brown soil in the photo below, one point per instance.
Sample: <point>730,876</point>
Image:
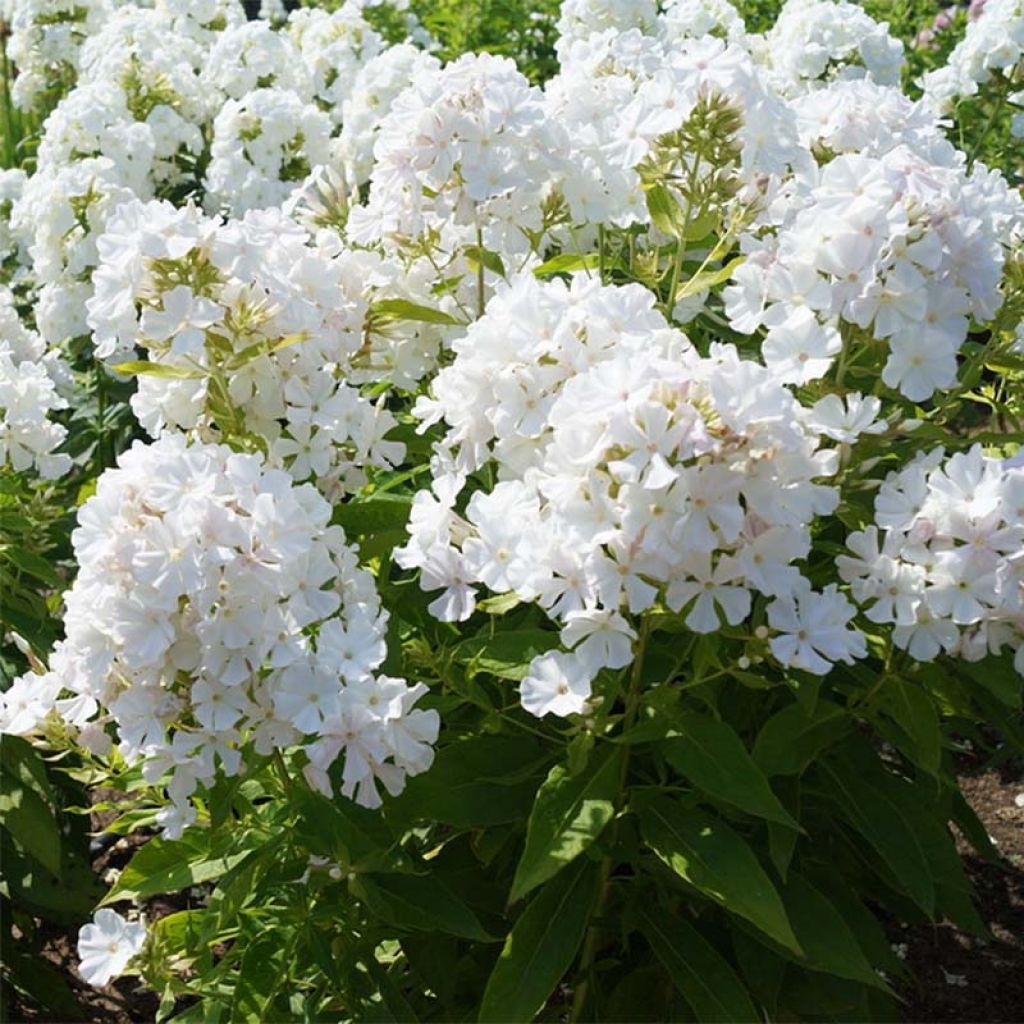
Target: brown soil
<point>960,977</point>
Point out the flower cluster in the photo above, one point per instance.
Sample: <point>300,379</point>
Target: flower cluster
<point>463,147</point>
<point>904,249</point>
<point>254,331</point>
<point>215,607</point>
<point>619,94</point>
<point>942,564</point>
<point>994,42</point>
<point>183,99</point>
<point>46,36</point>
<point>814,41</point>
<point>630,473</point>
<point>31,380</point>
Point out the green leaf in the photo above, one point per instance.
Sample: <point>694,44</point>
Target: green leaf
<point>702,226</point>
<point>264,966</point>
<point>30,821</point>
<point>505,655</point>
<point>566,263</point>
<point>697,969</point>
<point>716,861</point>
<point>376,524</point>
<point>973,828</point>
<point>342,830</point>
<point>828,943</point>
<point>169,865</point>
<point>419,902</point>
<point>31,563</point>
<point>913,710</point>
<point>476,254</point>
<point>707,279</point>
<point>858,793</point>
<point>569,813</point>
<point>664,210</point>
<point>714,759</point>
<point>165,371</point>
<point>376,514</point>
<point>541,946</point>
<point>499,604</point>
<point>177,932</point>
<point>792,738</point>
<point>998,677</point>
<point>474,783</point>
<point>20,760</point>
<point>402,309</point>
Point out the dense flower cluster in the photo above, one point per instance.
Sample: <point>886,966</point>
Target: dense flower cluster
<point>183,99</point>
<point>293,233</point>
<point>896,245</point>
<point>260,328</point>
<point>630,472</point>
<point>619,94</point>
<point>814,41</point>
<point>215,606</point>
<point>994,42</point>
<point>463,147</point>
<point>31,380</point>
<point>943,565</point>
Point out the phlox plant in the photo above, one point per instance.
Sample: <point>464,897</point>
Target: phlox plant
<point>506,542</point>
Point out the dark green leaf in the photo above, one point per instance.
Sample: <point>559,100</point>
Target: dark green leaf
<point>474,783</point>
<point>31,563</point>
<point>913,710</point>
<point>698,970</point>
<point>710,755</point>
<point>792,738</point>
<point>263,968</point>
<point>569,813</point>
<point>715,860</point>
<point>859,797</point>
<point>31,825</point>
<point>418,902</point>
<point>541,946</point>
<point>505,655</point>
<point>828,944</point>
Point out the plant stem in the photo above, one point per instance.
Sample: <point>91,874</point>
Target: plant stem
<point>580,996</point>
<point>480,272</point>
<point>282,770</point>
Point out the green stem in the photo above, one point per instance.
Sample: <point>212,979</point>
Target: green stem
<point>479,272</point>
<point>582,993</point>
<point>282,770</point>
<point>989,125</point>
<point>101,417</point>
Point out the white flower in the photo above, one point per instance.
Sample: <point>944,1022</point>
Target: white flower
<point>558,684</point>
<point>107,945</point>
<point>813,630</point>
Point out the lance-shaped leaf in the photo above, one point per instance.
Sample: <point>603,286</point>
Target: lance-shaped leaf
<point>697,969</point>
<point>568,815</point>
<point>716,861</point>
<point>712,757</point>
<point>541,947</point>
